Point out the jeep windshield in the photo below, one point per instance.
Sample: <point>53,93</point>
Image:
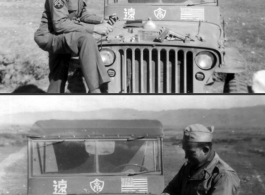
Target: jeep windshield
<point>95,157</point>
<point>186,2</point>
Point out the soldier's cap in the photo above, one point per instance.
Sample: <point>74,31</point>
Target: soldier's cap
<point>258,82</point>
<point>198,133</point>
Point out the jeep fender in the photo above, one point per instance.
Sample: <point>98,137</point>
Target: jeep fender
<point>233,62</point>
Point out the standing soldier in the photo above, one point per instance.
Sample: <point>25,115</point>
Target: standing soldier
<point>204,172</point>
<point>66,30</point>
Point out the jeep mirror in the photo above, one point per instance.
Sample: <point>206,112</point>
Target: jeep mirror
<point>101,148</point>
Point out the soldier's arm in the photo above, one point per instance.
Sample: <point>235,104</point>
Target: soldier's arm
<point>226,183</point>
<point>61,22</point>
<point>89,18</point>
<point>174,186</point>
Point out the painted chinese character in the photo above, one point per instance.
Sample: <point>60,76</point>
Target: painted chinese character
<point>60,187</point>
<point>129,14</point>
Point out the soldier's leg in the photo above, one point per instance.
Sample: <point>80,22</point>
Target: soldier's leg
<point>92,66</point>
<point>84,45</point>
<point>59,55</point>
<point>58,64</point>
<point>76,82</point>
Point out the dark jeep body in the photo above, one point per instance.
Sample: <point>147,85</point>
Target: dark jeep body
<point>188,59</point>
<point>95,157</point>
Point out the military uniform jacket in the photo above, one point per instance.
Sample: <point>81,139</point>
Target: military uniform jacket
<point>64,16</point>
<point>218,178</point>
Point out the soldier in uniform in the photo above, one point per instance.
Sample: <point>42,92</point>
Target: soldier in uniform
<point>204,172</point>
<point>66,30</point>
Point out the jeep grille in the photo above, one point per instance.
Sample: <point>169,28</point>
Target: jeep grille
<point>156,70</point>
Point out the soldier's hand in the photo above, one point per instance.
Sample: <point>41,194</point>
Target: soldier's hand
<point>103,29</point>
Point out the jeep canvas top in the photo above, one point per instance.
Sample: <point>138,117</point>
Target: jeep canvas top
<point>95,157</point>
<point>169,46</point>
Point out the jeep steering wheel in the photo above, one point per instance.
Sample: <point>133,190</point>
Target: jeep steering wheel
<point>124,165</point>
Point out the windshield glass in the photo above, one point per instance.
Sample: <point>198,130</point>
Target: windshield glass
<point>95,157</point>
<point>164,1</point>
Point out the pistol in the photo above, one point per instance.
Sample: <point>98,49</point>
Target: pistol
<point>112,19</point>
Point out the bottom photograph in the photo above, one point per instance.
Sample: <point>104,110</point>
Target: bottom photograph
<point>157,145</point>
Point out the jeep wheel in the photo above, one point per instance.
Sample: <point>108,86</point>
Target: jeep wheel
<point>234,84</point>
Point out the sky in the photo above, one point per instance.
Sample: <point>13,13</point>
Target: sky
<point>11,104</point>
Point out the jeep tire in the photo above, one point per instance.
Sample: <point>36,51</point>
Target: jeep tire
<point>235,84</point>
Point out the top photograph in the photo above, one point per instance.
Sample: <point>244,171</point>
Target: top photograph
<point>132,46</point>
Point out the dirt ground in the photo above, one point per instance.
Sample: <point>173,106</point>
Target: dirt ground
<point>13,171</point>
<point>19,20</point>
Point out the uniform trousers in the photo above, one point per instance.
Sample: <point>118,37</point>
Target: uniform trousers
<point>61,47</point>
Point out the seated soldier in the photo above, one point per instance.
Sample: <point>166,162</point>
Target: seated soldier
<point>66,29</point>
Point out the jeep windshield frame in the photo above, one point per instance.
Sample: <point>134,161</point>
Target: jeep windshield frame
<point>72,157</point>
<point>165,2</point>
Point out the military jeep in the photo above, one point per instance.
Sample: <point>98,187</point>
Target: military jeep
<point>95,157</point>
<point>169,46</point>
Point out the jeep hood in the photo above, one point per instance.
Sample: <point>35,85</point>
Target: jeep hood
<point>82,184</point>
<point>209,33</point>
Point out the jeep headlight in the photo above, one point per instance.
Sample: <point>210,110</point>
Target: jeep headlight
<point>107,56</point>
<point>205,60</point>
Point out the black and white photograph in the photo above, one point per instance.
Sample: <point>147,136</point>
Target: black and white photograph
<point>132,46</point>
<point>132,97</point>
<point>123,145</point>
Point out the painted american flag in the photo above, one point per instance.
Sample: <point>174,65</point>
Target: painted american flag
<point>192,14</point>
<point>135,185</point>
